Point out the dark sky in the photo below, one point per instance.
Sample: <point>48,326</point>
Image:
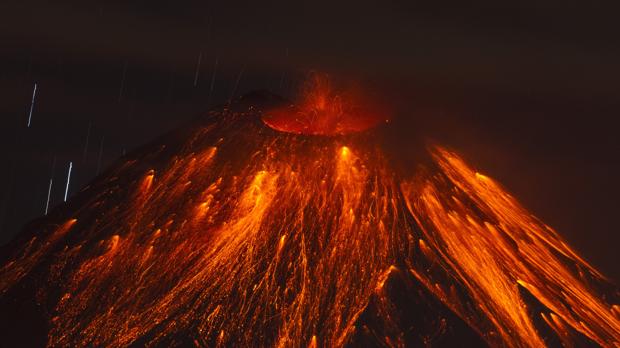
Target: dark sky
<point>528,91</point>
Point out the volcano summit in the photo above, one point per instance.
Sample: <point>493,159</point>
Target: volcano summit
<point>255,227</point>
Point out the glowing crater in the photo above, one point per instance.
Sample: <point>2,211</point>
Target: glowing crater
<point>323,112</point>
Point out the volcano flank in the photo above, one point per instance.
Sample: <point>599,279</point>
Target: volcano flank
<point>271,224</point>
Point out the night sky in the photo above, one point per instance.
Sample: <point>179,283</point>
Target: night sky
<point>527,91</point>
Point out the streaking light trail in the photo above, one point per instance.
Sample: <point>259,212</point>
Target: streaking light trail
<point>49,194</point>
<point>68,180</point>
<point>34,95</point>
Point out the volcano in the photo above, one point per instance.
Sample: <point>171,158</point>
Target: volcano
<point>271,224</point>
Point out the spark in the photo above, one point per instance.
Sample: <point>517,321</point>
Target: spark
<point>68,180</point>
<point>34,95</point>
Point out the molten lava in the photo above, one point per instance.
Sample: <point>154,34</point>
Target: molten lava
<point>324,112</point>
<point>232,234</point>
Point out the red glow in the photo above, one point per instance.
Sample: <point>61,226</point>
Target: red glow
<point>322,111</point>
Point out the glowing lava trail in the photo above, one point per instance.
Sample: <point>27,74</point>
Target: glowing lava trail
<point>492,247</point>
<point>232,233</point>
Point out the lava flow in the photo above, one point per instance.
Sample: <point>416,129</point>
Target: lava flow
<point>232,233</point>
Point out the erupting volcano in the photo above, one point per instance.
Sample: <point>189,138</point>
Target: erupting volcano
<point>268,224</point>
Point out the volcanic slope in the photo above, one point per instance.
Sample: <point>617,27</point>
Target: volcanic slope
<point>230,233</point>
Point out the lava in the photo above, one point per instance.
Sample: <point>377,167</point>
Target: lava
<point>493,246</point>
<point>324,111</point>
<point>235,234</point>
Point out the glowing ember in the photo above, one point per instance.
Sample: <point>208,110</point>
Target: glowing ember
<point>323,112</point>
<point>239,237</point>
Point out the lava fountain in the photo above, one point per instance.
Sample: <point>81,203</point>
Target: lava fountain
<point>321,111</point>
<point>287,226</point>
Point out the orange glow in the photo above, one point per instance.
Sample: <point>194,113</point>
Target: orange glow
<point>277,240</point>
<point>284,237</point>
<point>322,111</point>
<point>493,246</point>
<point>34,250</point>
